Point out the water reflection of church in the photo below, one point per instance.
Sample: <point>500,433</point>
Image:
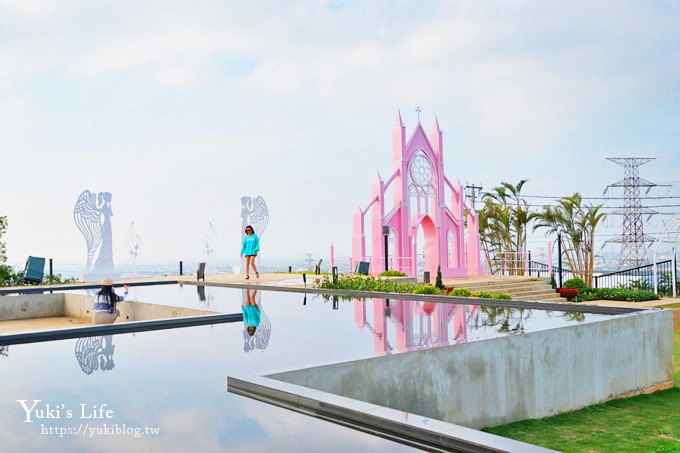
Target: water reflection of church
<point>407,325</point>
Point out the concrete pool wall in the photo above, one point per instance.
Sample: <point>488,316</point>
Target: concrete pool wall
<point>517,377</point>
<point>79,306</point>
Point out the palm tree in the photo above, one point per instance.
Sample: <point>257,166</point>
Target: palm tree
<point>503,225</point>
<point>577,223</point>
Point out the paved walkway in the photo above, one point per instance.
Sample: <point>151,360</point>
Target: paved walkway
<point>295,280</point>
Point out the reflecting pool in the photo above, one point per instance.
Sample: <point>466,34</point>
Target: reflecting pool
<point>166,389</point>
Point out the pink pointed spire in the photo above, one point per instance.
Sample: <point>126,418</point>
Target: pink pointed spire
<point>398,141</point>
<point>398,121</point>
<point>436,140</point>
<point>435,126</point>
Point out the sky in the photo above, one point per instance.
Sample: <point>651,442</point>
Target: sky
<point>180,108</point>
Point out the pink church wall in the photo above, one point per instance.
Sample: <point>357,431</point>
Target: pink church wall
<point>428,209</point>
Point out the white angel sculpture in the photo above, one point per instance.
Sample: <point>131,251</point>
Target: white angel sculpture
<point>92,215</point>
<point>254,212</point>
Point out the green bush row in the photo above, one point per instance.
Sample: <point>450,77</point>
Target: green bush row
<point>623,294</point>
<point>11,277</point>
<point>371,283</point>
<point>635,292</point>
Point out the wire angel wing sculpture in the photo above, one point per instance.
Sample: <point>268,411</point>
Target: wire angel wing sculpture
<point>210,242</point>
<point>259,216</point>
<point>88,220</point>
<point>133,244</point>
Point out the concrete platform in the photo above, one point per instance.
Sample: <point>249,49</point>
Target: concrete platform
<point>38,324</point>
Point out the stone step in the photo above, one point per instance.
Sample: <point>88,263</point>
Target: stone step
<point>531,291</point>
<point>511,289</point>
<point>550,298</point>
<point>519,288</point>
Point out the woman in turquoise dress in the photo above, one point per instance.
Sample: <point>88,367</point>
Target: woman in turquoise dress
<point>250,248</point>
<point>251,312</point>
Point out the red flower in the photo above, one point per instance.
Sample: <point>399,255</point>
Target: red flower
<point>569,293</point>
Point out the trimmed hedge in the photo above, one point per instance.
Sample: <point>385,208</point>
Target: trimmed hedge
<point>392,273</point>
<point>460,292</point>
<point>622,294</point>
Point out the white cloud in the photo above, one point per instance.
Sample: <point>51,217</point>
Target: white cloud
<point>175,99</point>
<point>31,9</point>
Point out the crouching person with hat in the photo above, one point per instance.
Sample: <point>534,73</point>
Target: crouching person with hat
<point>104,310</point>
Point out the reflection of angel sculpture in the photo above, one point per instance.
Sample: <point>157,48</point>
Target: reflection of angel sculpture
<point>133,243</point>
<point>256,327</point>
<point>254,212</point>
<point>92,215</point>
<point>95,353</point>
<point>210,244</point>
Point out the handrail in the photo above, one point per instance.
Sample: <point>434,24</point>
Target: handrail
<point>649,277</point>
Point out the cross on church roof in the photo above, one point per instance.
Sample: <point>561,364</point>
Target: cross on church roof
<point>418,112</point>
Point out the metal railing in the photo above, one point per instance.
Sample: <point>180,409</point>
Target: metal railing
<point>538,269</point>
<point>641,277</point>
<point>518,263</point>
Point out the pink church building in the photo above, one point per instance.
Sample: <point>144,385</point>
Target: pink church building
<point>418,196</point>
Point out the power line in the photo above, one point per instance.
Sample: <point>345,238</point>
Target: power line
<point>597,198</point>
<point>612,207</point>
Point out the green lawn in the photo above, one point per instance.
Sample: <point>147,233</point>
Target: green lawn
<point>645,423</point>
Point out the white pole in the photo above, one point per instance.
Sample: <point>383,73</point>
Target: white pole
<point>656,278</point>
<point>673,279</point>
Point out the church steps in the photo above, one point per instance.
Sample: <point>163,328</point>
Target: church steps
<point>519,288</point>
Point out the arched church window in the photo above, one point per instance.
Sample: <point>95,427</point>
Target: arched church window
<point>431,200</point>
<point>412,200</point>
<point>392,241</point>
<point>451,242</point>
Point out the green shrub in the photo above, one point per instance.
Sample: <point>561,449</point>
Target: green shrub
<point>438,282</point>
<point>392,273</point>
<point>623,294</point>
<point>460,292</point>
<point>57,279</point>
<point>576,283</point>
<point>427,290</point>
<point>501,296</point>
<point>370,283</point>
<point>482,295</point>
<point>8,276</point>
<point>640,285</point>
<point>586,296</point>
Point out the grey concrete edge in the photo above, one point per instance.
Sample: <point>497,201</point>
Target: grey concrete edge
<point>76,286</point>
<point>529,304</point>
<point>433,435</point>
<point>110,329</point>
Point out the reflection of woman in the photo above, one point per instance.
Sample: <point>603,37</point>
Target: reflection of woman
<point>104,261</point>
<point>251,312</point>
<point>250,247</point>
<point>104,310</point>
